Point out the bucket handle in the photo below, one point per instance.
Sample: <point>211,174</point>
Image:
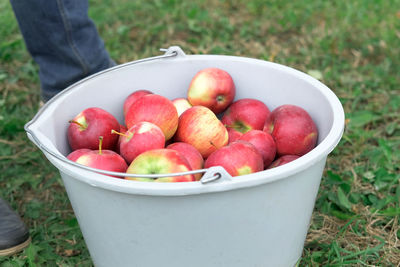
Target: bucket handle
<point>211,175</point>
<point>172,51</point>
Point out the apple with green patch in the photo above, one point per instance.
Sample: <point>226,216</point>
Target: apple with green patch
<point>237,158</point>
<point>246,114</point>
<point>213,88</point>
<point>86,127</point>
<point>200,127</point>
<point>293,130</point>
<point>156,109</point>
<point>160,161</point>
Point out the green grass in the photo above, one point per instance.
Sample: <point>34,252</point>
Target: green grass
<point>351,46</point>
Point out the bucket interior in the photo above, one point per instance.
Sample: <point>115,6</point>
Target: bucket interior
<point>268,82</point>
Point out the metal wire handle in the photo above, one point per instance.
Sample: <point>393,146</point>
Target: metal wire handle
<point>212,174</point>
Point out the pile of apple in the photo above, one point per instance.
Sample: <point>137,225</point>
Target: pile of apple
<point>161,136</point>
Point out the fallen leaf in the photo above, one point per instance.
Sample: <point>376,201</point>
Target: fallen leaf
<point>315,73</point>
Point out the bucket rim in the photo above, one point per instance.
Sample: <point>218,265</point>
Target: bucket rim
<point>96,179</point>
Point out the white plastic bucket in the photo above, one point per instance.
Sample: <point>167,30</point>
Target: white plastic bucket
<point>259,219</point>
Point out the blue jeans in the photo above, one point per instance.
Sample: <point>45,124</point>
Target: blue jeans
<point>62,40</point>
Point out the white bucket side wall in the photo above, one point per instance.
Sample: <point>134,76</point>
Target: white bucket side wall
<point>258,226</point>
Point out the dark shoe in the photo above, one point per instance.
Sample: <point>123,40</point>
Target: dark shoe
<point>14,236</point>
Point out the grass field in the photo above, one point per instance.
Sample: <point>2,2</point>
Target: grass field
<point>351,46</point>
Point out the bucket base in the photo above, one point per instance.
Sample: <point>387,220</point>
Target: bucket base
<point>236,228</point>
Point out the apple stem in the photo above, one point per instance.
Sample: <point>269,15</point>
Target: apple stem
<point>115,132</point>
<point>100,144</point>
<point>77,123</point>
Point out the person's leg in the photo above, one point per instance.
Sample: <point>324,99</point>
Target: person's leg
<point>62,40</point>
<point>14,236</point>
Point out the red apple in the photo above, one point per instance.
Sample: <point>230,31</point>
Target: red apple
<point>246,114</point>
<point>263,142</point>
<point>282,160</point>
<point>84,130</point>
<point>293,130</point>
<point>132,98</point>
<point>107,160</point>
<point>181,105</point>
<point>160,161</point>
<point>141,137</point>
<point>200,127</point>
<point>74,155</point>
<point>237,158</point>
<point>212,88</point>
<point>192,155</point>
<point>155,109</point>
<point>122,128</point>
<point>233,135</point>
